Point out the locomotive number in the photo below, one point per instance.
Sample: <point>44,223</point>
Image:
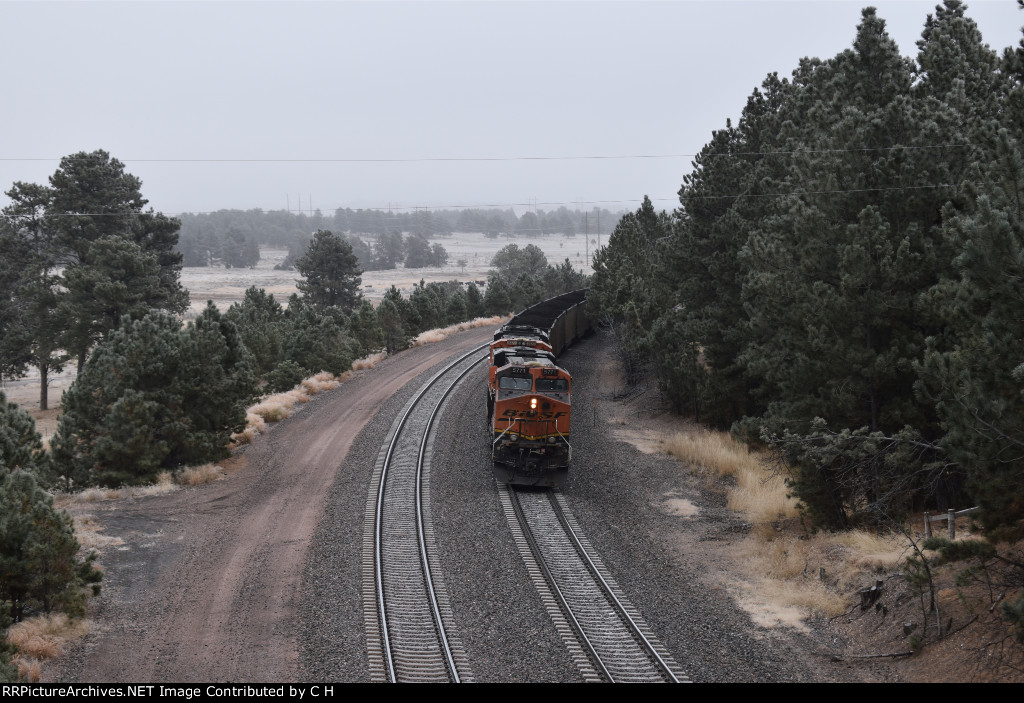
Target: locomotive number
<point>512,412</point>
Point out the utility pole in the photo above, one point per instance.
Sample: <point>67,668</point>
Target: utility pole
<point>586,236</point>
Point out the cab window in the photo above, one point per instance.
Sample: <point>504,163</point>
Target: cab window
<point>515,383</point>
<point>552,385</point>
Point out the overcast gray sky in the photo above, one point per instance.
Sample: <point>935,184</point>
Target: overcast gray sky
<point>231,104</point>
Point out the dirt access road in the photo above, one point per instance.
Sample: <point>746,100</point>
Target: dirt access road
<point>206,585</point>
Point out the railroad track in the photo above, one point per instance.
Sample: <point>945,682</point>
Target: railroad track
<point>410,637</point>
<point>606,637</point>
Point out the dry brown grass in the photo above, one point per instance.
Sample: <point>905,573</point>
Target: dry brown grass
<point>369,362</point>
<point>89,534</point>
<point>783,561</point>
<point>42,637</point>
<point>94,495</point>
<point>441,334</point>
<point>279,406</point>
<point>197,475</point>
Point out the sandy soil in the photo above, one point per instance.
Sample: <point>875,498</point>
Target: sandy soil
<point>205,584</point>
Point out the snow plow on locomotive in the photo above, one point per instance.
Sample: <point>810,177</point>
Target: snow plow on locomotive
<point>529,405</point>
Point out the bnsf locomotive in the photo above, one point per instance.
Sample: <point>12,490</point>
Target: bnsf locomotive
<point>529,396</point>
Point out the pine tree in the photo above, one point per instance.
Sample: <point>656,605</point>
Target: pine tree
<point>39,567</point>
<point>455,310</point>
<point>496,297</point>
<point>474,302</point>
<point>365,329</point>
<point>21,446</point>
<point>836,275</point>
<point>318,341</point>
<point>95,212</point>
<point>330,271</point>
<point>261,322</point>
<point>154,397</point>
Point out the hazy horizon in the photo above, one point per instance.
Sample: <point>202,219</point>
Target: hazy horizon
<point>240,105</point>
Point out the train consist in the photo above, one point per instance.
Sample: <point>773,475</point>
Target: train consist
<point>529,405</point>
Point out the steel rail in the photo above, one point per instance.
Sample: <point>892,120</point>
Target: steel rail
<point>378,528</point>
<point>609,592</point>
<point>564,604</point>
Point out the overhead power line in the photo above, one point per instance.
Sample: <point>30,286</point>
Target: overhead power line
<point>442,159</point>
<point>535,204</point>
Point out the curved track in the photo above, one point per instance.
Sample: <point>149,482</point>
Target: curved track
<point>408,617</point>
<point>605,635</point>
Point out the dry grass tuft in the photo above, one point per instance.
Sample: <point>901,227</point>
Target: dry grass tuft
<point>89,534</point>
<point>279,406</point>
<point>369,362</point>
<point>28,669</point>
<point>41,638</point>
<point>439,335</point>
<point>786,563</point>
<point>165,483</point>
<point>94,495</point>
<point>273,409</point>
<point>715,452</point>
<point>246,436</point>
<point>759,494</point>
<point>429,337</point>
<point>255,421</point>
<point>323,381</point>
<point>196,475</point>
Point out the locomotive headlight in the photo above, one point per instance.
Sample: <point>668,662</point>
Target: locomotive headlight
<point>513,437</point>
<point>533,403</point>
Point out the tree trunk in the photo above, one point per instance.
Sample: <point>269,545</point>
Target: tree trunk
<point>44,386</point>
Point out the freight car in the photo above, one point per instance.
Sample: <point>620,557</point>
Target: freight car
<point>529,405</point>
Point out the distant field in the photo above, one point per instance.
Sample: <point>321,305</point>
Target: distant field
<point>226,286</point>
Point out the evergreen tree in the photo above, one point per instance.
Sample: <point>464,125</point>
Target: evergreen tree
<point>496,297</point>
<point>330,273</point>
<point>21,446</point>
<point>261,322</point>
<point>365,329</point>
<point>29,325</point>
<point>39,567</point>
<point>119,280</point>
<point>392,326</point>
<point>90,203</point>
<point>418,253</point>
<point>510,262</point>
<point>217,381</point>
<point>455,309</point>
<point>622,290</point>
<point>154,397</point>
<point>474,302</point>
<point>977,382</point>
<point>318,341</point>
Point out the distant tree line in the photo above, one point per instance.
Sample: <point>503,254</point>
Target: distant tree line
<point>385,253</point>
<point>232,237</point>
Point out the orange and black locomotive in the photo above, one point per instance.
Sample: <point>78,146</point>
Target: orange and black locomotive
<point>529,406</point>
